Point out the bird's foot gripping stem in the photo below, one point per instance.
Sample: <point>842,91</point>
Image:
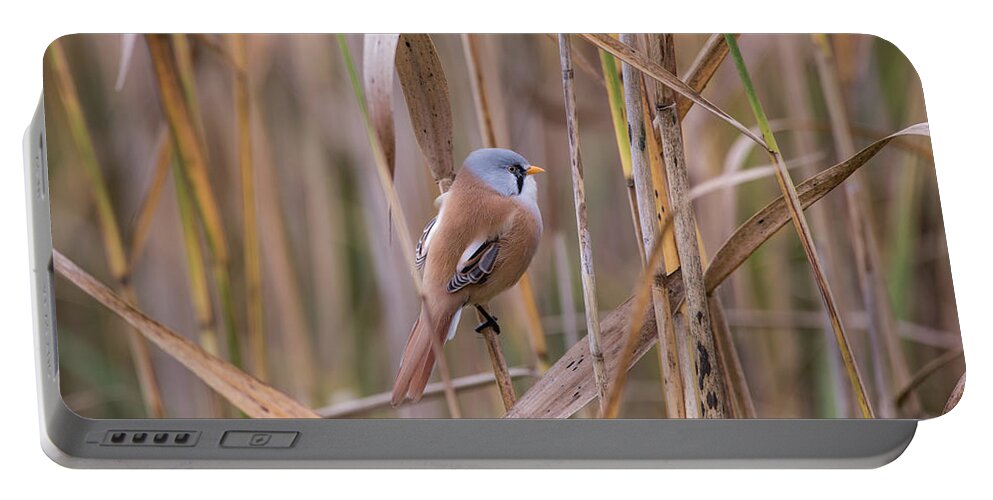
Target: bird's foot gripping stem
<point>490,321</point>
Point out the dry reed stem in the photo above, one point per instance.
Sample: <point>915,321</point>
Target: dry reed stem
<point>582,224</point>
<point>146,212</point>
<point>249,394</point>
<point>678,351</point>
<point>618,116</point>
<point>477,84</point>
<point>700,74</point>
<point>673,369</point>
<point>504,382</point>
<point>674,357</point>
<point>711,391</point>
<point>581,61</point>
<point>183,52</point>
<point>184,133</point>
<point>803,231</point>
<point>704,66</point>
<point>250,232</point>
<point>727,354</point>
<point>524,291</point>
<point>382,400</point>
<point>113,245</point>
<point>631,56</point>
<point>566,387</point>
<point>656,161</point>
<point>888,359</point>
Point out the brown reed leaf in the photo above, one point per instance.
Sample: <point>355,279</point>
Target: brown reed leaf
<point>425,90</point>
<point>378,60</point>
<point>249,394</point>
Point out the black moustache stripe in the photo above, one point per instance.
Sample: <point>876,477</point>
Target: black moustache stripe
<point>520,181</point>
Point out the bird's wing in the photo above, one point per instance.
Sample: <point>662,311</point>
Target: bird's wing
<point>476,267</point>
<point>421,250</point>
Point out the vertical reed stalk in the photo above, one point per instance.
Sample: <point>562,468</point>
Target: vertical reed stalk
<point>802,229</point>
<point>524,289</point>
<point>674,384</point>
<point>678,349</point>
<point>178,105</point>
<point>615,96</point>
<point>113,244</point>
<point>250,233</point>
<point>741,396</point>
<point>886,362</point>
<point>470,47</point>
<point>710,382</point>
<point>582,223</point>
<point>836,403</point>
<point>675,354</point>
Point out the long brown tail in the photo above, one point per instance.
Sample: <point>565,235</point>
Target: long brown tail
<point>418,357</point>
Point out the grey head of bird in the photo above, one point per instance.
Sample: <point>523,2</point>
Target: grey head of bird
<point>503,170</point>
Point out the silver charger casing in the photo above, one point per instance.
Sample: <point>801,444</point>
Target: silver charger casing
<point>78,442</point>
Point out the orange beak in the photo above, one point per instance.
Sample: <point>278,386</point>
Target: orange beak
<point>534,170</point>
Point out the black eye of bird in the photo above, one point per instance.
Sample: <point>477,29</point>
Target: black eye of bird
<point>514,169</point>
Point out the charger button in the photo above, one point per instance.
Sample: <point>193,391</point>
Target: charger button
<point>260,439</point>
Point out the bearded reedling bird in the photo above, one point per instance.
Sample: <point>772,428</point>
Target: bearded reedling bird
<point>480,243</point>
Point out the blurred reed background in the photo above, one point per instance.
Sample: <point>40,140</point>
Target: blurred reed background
<point>311,292</point>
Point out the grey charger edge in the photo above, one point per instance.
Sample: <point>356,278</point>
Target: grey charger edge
<point>78,442</point>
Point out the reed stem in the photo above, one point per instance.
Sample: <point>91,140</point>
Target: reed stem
<point>711,390</point>
<point>675,385</point>
<point>582,223</point>
<point>250,232</point>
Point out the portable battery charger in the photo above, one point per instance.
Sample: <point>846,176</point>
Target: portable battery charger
<point>581,250</point>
